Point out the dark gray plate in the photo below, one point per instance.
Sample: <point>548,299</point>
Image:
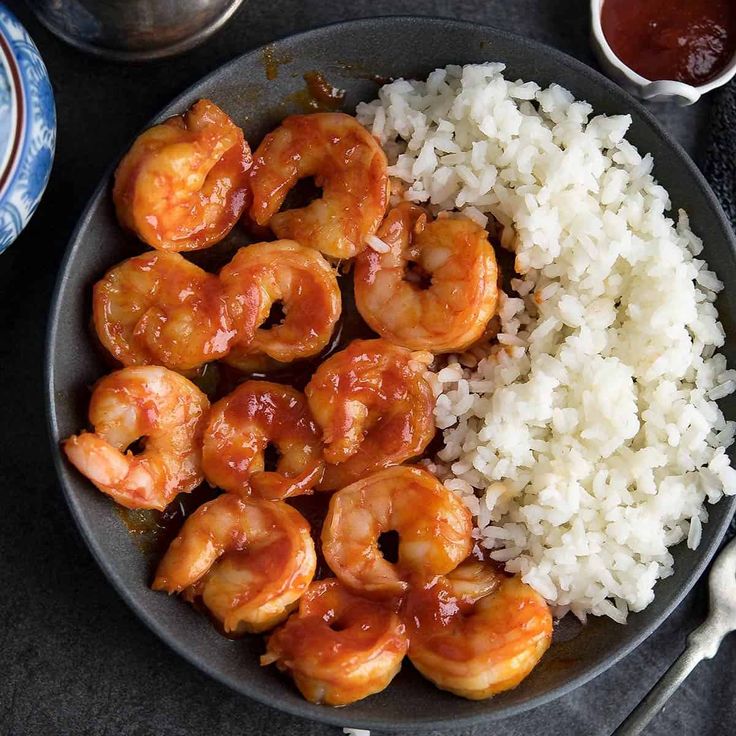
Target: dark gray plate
<point>348,54</point>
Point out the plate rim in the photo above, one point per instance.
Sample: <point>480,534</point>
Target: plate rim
<point>321,713</point>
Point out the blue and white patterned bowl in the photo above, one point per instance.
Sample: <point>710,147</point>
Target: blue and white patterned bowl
<point>27,127</point>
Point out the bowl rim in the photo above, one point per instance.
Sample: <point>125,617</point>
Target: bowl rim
<point>161,52</point>
<point>305,709</point>
<point>19,107</point>
<point>689,90</point>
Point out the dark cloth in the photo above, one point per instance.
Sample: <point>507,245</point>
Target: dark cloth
<point>74,660</point>
<point>719,166</point>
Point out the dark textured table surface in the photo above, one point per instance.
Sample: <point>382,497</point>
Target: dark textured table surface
<point>73,658</point>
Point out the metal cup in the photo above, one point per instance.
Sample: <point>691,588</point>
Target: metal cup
<point>134,30</point>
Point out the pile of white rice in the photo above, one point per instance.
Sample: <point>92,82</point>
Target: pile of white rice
<point>588,441</point>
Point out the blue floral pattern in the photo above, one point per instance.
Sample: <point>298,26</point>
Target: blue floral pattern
<point>5,111</point>
<point>31,165</point>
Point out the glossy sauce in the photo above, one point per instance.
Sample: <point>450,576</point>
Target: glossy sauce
<point>325,95</point>
<point>272,62</point>
<point>284,300</point>
<point>339,647</point>
<point>689,41</point>
<point>436,287</point>
<point>344,159</point>
<point>501,635</point>
<point>154,530</point>
<point>160,309</point>
<point>388,381</point>
<point>433,527</point>
<point>360,71</point>
<point>243,425</point>
<point>248,559</point>
<point>318,95</point>
<point>344,623</point>
<point>314,509</point>
<point>220,379</point>
<point>167,201</point>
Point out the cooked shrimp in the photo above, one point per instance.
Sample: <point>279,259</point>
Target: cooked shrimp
<point>248,560</point>
<point>345,161</point>
<point>435,288</point>
<point>374,405</point>
<point>184,183</point>
<point>162,409</point>
<point>433,525</point>
<point>158,308</point>
<point>281,273</point>
<point>338,647</point>
<point>241,427</point>
<point>473,579</point>
<point>477,649</point>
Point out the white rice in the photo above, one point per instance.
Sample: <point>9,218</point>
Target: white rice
<point>374,242</point>
<point>588,441</point>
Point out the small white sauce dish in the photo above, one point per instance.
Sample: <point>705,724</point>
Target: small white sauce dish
<point>658,91</point>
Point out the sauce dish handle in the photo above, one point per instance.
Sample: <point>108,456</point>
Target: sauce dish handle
<point>684,94</point>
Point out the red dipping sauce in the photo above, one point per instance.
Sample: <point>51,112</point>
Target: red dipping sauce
<point>689,41</point>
